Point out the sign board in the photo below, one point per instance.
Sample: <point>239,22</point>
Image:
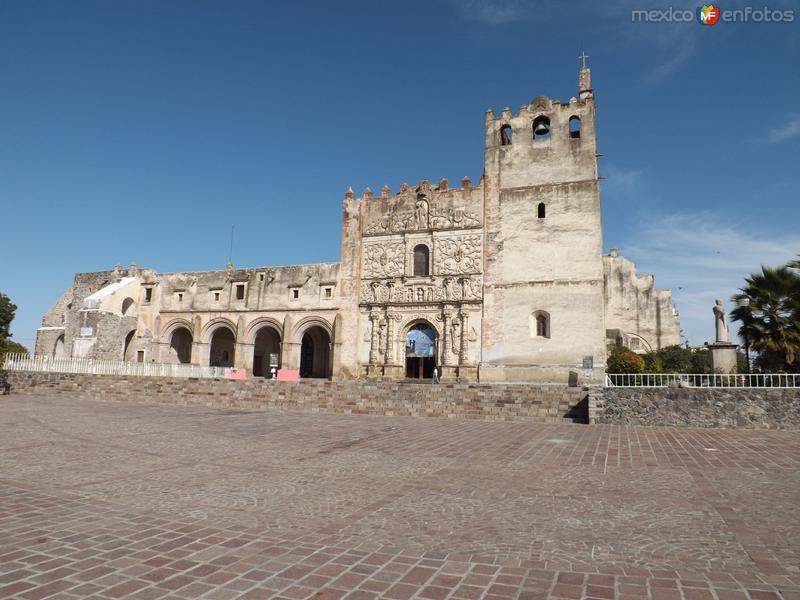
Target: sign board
<point>274,359</point>
<point>87,331</point>
<point>588,362</point>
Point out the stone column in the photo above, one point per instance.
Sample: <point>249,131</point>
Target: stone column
<point>447,355</point>
<point>391,319</point>
<point>243,357</point>
<point>375,319</point>
<point>200,354</point>
<point>463,355</point>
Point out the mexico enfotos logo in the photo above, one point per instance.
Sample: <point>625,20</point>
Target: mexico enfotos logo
<point>711,14</point>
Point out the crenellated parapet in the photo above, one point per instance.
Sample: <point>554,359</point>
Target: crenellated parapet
<point>543,120</point>
<point>420,207</point>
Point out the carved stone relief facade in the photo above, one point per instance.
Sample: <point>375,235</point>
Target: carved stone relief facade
<point>383,259</point>
<point>457,254</point>
<point>425,215</point>
<point>440,289</point>
<point>452,324</point>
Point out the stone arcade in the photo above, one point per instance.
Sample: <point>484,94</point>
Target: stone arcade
<point>500,281</point>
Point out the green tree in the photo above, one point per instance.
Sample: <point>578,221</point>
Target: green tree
<point>622,360</point>
<point>7,310</point>
<point>769,313</point>
<point>675,359</point>
<point>14,346</point>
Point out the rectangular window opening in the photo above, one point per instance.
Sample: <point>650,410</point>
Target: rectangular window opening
<point>328,292</point>
<point>295,294</point>
<point>240,292</point>
<point>148,294</point>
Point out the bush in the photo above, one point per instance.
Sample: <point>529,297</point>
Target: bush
<point>622,360</point>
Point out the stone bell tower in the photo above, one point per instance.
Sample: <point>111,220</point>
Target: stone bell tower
<point>543,284</point>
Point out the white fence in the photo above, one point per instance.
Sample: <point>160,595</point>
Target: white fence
<point>48,364</point>
<point>754,380</point>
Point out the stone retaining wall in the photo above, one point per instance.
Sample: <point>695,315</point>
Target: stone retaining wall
<point>751,408</point>
<point>496,402</point>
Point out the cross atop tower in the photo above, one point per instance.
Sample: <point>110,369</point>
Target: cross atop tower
<point>583,57</point>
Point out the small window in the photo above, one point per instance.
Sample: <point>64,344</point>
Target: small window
<point>505,135</point>
<point>328,292</point>
<point>421,261</point>
<point>541,323</point>
<point>540,210</point>
<point>541,129</point>
<point>575,127</point>
<point>216,296</point>
<point>295,294</point>
<point>180,296</point>
<point>148,294</point>
<point>140,356</point>
<point>261,276</point>
<point>240,291</point>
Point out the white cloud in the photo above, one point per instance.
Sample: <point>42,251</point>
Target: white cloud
<point>701,257</point>
<point>790,130</point>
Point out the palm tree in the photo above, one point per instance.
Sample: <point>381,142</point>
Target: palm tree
<point>769,311</point>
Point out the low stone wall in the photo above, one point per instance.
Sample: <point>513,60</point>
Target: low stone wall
<point>496,402</point>
<point>751,408</point>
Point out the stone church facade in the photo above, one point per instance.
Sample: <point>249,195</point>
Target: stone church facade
<point>503,280</point>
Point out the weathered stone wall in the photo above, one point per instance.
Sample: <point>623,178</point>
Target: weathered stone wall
<point>634,306</point>
<point>543,247</point>
<point>460,401</point>
<point>749,408</point>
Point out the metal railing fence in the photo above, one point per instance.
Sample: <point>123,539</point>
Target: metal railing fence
<point>15,361</point>
<point>707,380</point>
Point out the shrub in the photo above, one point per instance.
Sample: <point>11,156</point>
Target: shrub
<point>622,360</point>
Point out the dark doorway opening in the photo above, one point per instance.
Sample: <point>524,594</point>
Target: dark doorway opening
<point>315,353</point>
<point>222,348</point>
<point>266,353</point>
<point>420,351</point>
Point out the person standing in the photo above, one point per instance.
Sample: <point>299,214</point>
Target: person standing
<point>435,374</point>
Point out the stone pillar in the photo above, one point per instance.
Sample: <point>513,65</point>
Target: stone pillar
<point>447,355</point>
<point>391,319</point>
<point>290,356</point>
<point>200,354</point>
<point>375,319</point>
<point>463,355</point>
<point>243,357</point>
<point>336,368</point>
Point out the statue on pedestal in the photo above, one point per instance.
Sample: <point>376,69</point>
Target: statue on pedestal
<point>721,322</point>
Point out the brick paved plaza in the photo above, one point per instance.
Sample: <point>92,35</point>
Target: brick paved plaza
<point>112,500</point>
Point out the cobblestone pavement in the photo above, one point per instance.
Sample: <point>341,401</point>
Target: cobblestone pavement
<point>113,500</point>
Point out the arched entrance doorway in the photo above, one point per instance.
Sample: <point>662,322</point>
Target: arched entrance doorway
<point>58,351</point>
<point>315,353</point>
<point>266,352</point>
<point>222,348</point>
<point>420,351</point>
<point>127,350</point>
<point>180,346</point>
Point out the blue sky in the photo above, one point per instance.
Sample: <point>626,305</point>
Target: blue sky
<point>144,130</point>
